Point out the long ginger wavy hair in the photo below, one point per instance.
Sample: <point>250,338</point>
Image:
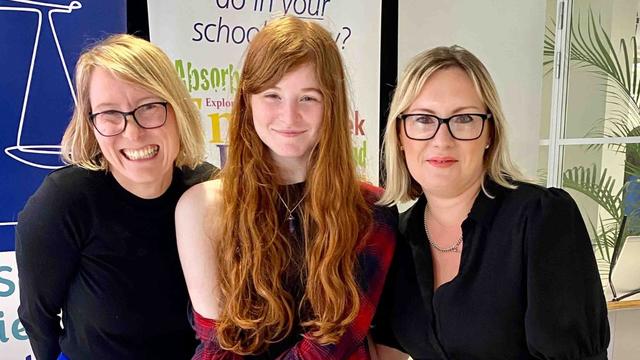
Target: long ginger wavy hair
<point>253,254</point>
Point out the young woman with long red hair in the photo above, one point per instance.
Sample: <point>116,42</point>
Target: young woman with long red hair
<point>285,254</point>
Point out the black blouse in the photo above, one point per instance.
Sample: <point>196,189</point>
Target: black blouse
<point>527,287</point>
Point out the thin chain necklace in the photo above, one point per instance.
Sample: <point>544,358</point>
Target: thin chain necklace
<point>290,217</point>
<point>453,248</point>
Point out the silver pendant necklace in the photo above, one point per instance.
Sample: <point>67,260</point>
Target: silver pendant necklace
<point>453,248</point>
<point>290,217</point>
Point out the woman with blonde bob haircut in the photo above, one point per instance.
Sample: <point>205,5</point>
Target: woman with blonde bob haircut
<point>138,62</point>
<point>400,186</point>
<point>488,266</point>
<point>103,226</point>
<point>286,251</point>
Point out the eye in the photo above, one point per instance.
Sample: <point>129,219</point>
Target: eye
<point>109,115</point>
<point>308,98</point>
<point>272,96</point>
<point>149,106</point>
<point>463,119</point>
<point>424,119</point>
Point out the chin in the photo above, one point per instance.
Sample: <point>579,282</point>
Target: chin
<point>290,153</point>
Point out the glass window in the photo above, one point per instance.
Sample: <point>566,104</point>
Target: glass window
<point>591,140</point>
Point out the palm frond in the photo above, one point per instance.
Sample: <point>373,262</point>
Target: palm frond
<point>596,50</point>
<point>599,189</point>
<point>604,238</point>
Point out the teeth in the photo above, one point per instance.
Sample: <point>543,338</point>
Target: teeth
<point>141,154</point>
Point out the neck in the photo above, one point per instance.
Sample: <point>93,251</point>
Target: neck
<point>453,210</point>
<point>146,190</point>
<point>292,171</point>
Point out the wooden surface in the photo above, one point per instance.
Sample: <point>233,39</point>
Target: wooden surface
<point>619,305</point>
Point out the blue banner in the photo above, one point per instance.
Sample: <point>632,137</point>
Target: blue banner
<point>40,42</point>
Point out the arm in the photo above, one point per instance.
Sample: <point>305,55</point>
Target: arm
<point>47,258</point>
<point>387,346</point>
<point>197,228</point>
<point>566,314</point>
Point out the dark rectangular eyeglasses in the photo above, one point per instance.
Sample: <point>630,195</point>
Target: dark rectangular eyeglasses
<point>113,122</point>
<point>461,126</point>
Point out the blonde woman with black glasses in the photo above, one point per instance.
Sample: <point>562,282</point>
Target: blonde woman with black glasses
<point>97,240</point>
<point>489,266</point>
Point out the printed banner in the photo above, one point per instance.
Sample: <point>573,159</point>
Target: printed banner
<point>207,38</point>
<point>40,42</point>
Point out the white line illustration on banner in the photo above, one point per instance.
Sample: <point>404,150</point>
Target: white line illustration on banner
<point>17,151</point>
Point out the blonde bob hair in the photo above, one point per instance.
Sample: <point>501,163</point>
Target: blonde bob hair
<point>143,64</point>
<point>498,166</point>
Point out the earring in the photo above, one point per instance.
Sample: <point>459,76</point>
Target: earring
<point>401,148</point>
<point>487,146</point>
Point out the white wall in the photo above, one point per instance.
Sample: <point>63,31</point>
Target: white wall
<point>507,36</point>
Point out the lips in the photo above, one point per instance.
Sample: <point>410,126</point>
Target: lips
<point>290,133</point>
<point>144,153</point>
<point>441,161</point>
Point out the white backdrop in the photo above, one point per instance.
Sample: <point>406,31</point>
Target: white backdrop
<point>507,36</point>
<point>207,38</point>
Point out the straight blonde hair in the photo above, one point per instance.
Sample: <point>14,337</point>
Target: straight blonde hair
<point>399,185</point>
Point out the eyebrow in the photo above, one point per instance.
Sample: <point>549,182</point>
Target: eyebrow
<point>317,91</point>
<point>455,111</point>
<point>307,89</point>
<point>111,106</point>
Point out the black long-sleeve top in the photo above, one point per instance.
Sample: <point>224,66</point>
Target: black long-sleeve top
<point>527,288</point>
<point>108,260</point>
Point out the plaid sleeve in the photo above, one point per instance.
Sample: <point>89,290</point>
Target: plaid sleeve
<point>374,261</point>
<point>209,347</point>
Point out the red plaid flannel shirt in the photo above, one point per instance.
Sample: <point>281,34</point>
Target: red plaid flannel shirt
<point>374,261</point>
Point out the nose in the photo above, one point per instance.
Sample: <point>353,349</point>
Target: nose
<point>443,137</point>
<point>290,112</point>
<point>133,131</point>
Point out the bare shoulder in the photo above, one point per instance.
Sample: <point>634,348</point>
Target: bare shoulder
<point>199,206</point>
<point>201,196</point>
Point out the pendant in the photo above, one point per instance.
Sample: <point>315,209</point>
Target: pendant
<point>292,227</point>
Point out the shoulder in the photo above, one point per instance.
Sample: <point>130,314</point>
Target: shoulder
<point>66,187</point>
<point>199,213</point>
<point>529,195</point>
<point>200,198</point>
<point>72,178</point>
<point>61,208</point>
<point>536,210</point>
<point>370,192</point>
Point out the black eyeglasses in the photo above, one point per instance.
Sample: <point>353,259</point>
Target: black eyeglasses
<point>461,126</point>
<point>113,122</point>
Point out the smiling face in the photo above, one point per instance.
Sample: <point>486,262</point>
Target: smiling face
<point>443,165</point>
<point>287,116</point>
<point>140,159</point>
